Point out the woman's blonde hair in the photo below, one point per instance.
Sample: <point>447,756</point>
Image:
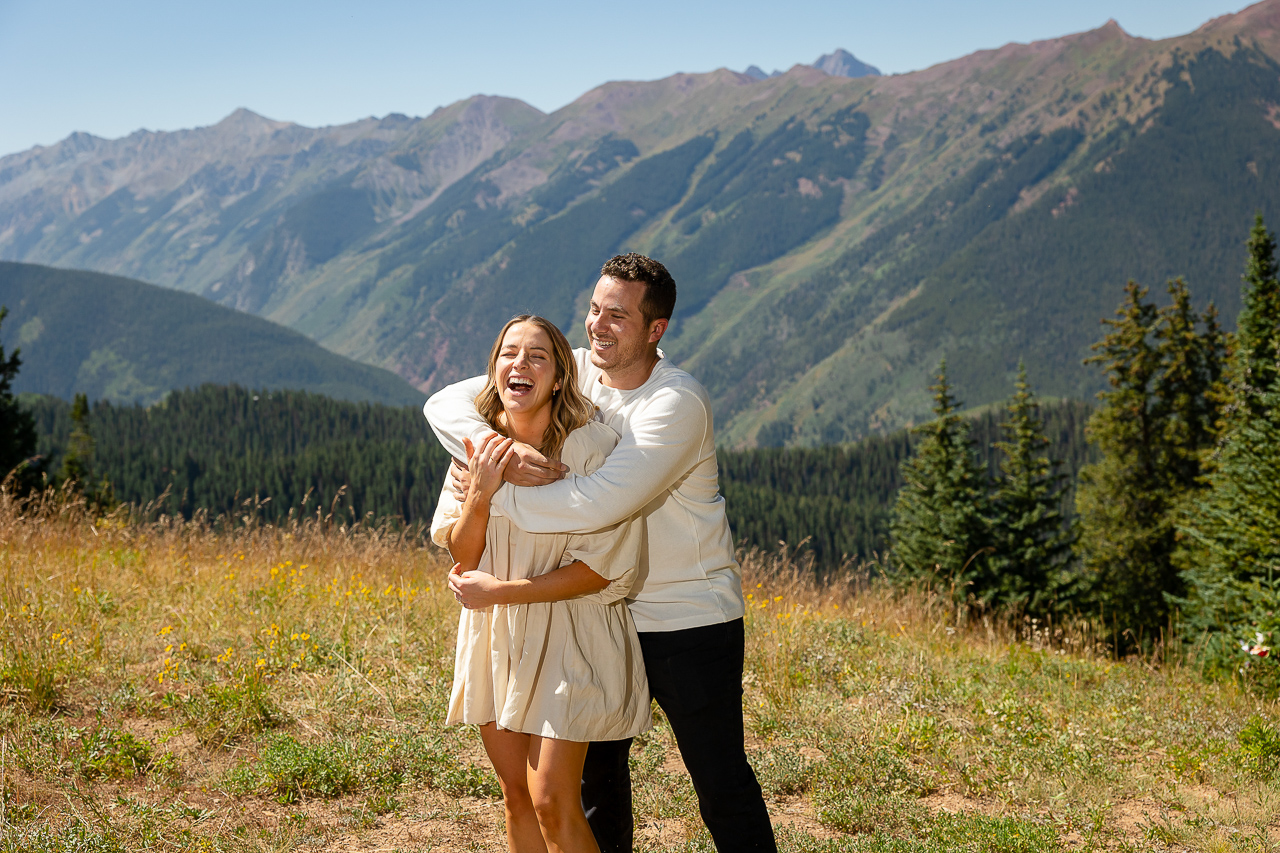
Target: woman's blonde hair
<point>569,408</point>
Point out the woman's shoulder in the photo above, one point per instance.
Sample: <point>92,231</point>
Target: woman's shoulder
<point>587,446</point>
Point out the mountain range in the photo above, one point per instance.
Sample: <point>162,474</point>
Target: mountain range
<point>833,237</point>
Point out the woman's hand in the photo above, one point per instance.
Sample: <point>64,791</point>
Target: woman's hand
<point>486,464</point>
<point>475,590</point>
<point>528,467</point>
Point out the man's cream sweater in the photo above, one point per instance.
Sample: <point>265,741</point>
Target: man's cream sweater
<point>664,468</point>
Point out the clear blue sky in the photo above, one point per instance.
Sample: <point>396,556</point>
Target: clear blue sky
<point>110,68</point>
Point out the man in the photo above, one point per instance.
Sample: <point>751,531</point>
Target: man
<point>687,604</point>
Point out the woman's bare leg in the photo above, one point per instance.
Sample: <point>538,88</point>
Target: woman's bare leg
<point>509,752</point>
<point>555,786</point>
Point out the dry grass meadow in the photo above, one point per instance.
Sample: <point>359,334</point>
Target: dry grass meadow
<point>238,686</point>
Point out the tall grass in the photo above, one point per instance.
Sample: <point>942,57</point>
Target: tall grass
<point>228,684</point>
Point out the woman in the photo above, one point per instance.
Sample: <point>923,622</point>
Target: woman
<point>547,659</point>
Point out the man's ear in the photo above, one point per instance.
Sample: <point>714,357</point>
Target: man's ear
<point>657,329</point>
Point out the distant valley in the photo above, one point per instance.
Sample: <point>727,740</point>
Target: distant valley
<point>832,236</point>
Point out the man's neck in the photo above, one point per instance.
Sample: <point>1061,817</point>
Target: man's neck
<point>633,376</point>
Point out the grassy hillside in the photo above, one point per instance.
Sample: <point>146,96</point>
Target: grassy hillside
<point>232,688</point>
<point>122,340</point>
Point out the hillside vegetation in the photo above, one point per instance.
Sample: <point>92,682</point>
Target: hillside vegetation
<point>122,340</point>
<point>832,237</point>
<point>234,687</point>
<point>211,448</point>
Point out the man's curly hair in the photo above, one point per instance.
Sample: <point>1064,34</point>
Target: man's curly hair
<point>660,288</point>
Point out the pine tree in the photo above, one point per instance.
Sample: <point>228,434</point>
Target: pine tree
<point>1254,357</point>
<point>1188,386</point>
<point>1231,557</point>
<point>1030,540</point>
<point>1232,537</point>
<point>17,426</point>
<point>77,464</point>
<point>939,526</point>
<point>1154,428</point>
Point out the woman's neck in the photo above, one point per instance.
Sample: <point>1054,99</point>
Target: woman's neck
<point>530,427</point>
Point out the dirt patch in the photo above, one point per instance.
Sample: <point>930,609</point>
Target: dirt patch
<point>798,815</point>
<point>953,803</point>
<point>674,764</point>
<point>428,820</point>
<point>668,832</point>
<point>1130,816</point>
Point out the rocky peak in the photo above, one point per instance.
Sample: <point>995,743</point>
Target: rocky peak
<point>755,72</point>
<point>842,63</point>
<point>247,121</point>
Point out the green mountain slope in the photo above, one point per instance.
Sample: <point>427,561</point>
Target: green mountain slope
<point>987,281</point>
<point>832,238</point>
<point>122,340</point>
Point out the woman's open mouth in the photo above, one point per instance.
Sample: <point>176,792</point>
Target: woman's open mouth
<point>519,385</point>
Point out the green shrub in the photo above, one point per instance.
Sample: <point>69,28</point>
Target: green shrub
<point>223,714</point>
<point>1259,747</point>
<point>107,753</point>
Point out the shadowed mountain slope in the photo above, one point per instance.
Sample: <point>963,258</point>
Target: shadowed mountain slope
<point>121,340</point>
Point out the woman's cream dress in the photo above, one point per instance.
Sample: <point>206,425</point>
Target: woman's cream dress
<point>570,669</point>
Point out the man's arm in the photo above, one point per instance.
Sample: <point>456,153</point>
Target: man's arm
<point>664,441</point>
<point>452,414</point>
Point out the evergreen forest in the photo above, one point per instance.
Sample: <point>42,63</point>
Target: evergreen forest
<point>215,447</point>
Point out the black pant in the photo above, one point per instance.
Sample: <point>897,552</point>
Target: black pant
<point>696,676</point>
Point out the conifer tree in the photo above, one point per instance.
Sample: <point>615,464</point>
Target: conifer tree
<point>17,426</point>
<point>1254,355</point>
<point>1030,540</point>
<point>1232,533</point>
<point>1154,428</point>
<point>77,464</point>
<point>939,525</point>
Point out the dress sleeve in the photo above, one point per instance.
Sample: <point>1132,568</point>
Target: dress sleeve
<point>612,552</point>
<point>448,511</point>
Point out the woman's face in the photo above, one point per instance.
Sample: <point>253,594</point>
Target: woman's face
<point>525,371</point>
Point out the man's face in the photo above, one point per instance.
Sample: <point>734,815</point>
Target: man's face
<point>620,338</point>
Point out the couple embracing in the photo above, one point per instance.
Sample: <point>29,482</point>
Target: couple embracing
<point>601,576</point>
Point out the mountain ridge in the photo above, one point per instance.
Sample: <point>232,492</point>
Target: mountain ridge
<point>821,215</point>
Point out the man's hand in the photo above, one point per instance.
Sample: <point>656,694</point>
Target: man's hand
<point>531,468</point>
<point>527,467</point>
<point>475,590</point>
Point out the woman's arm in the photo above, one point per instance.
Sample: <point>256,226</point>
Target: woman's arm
<point>481,589</point>
<point>466,538</point>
